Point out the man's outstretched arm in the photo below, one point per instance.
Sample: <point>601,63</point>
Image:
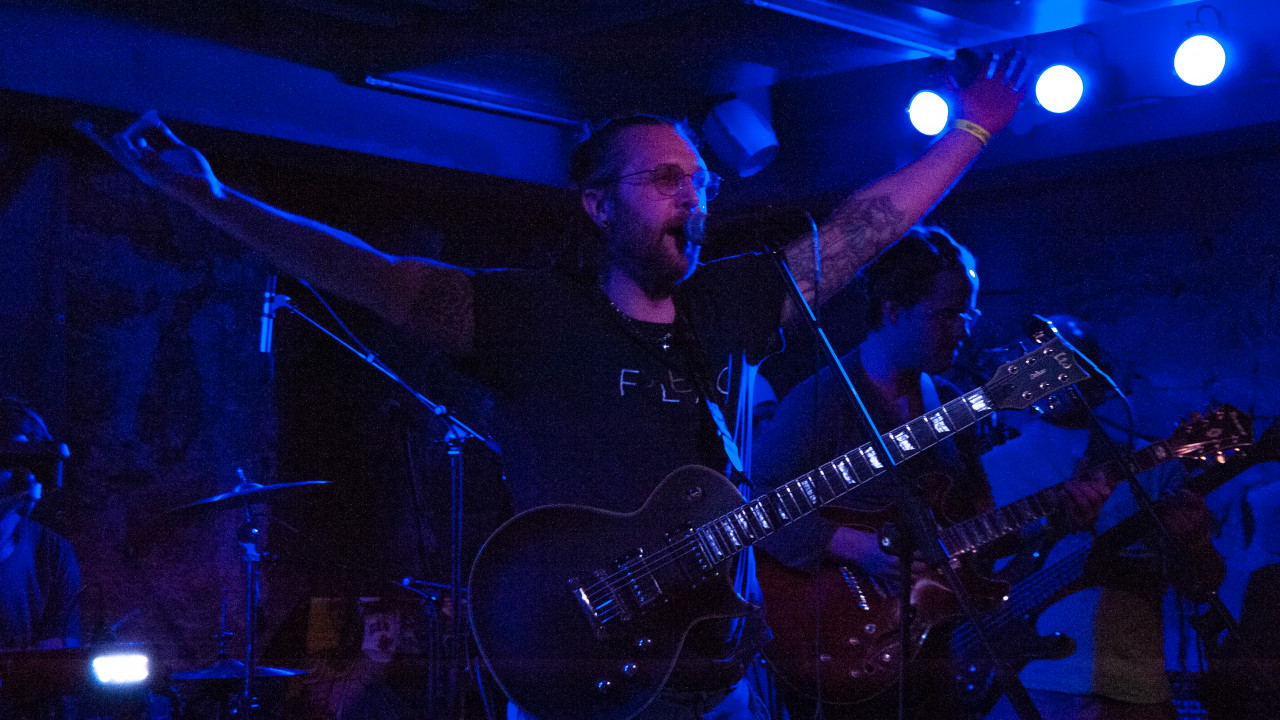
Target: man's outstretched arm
<point>879,214</point>
<point>433,298</point>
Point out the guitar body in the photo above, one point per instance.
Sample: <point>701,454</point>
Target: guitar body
<point>581,613</point>
<point>858,644</point>
<point>976,689</point>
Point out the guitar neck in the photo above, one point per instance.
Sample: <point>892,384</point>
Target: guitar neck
<point>971,535</point>
<point>786,504</point>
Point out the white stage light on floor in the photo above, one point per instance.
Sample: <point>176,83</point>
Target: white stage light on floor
<point>928,112</point>
<point>1200,60</point>
<point>1059,89</point>
<point>120,669</point>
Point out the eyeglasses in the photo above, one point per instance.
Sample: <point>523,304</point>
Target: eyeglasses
<point>668,179</point>
<point>969,316</point>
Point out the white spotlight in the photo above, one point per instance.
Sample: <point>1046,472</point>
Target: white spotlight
<point>1059,89</point>
<point>928,112</point>
<point>120,669</point>
<point>1199,60</point>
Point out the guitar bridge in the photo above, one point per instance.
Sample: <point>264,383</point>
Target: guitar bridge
<point>616,594</point>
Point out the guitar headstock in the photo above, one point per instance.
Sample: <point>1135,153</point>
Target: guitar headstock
<point>1040,373</point>
<point>1216,431</point>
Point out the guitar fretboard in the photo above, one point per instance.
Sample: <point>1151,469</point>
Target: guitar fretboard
<point>972,534</point>
<point>762,516</point>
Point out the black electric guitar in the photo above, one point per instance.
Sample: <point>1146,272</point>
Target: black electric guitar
<point>581,612</point>
<point>1012,629</point>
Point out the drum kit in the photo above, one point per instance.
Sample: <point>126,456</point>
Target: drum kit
<point>226,670</point>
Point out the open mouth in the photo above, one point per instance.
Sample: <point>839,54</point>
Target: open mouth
<point>691,230</point>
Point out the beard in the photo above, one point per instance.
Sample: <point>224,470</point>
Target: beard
<point>656,257</point>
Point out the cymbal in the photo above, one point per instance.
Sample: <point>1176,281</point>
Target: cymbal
<point>245,489</point>
<point>228,669</point>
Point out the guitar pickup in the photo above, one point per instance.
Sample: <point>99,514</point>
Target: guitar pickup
<point>598,599</point>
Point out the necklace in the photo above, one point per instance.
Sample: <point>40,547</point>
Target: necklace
<point>650,333</point>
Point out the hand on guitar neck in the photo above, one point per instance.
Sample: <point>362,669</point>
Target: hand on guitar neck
<point>1083,497</point>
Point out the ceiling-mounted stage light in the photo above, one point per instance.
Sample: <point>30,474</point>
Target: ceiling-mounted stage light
<point>1200,60</point>
<point>1059,89</point>
<point>928,112</point>
<point>741,136</point>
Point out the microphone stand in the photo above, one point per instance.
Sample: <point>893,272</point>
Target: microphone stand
<point>922,532</point>
<point>457,434</point>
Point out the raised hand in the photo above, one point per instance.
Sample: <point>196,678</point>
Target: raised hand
<point>150,150</point>
<point>992,99</point>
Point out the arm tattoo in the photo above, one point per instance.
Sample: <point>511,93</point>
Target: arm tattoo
<point>443,312</point>
<point>854,234</point>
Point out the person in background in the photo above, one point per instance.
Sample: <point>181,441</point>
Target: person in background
<point>39,576</point>
<point>1118,668</point>
<point>921,302</point>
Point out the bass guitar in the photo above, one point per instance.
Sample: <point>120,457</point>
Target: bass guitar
<point>857,648</point>
<point>1013,627</point>
<point>581,613</point>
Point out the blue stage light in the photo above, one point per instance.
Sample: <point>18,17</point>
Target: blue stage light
<point>928,112</point>
<point>1059,89</point>
<point>1200,60</point>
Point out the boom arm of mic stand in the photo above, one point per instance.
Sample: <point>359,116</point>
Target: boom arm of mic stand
<point>457,428</point>
<point>458,433</point>
<point>833,360</point>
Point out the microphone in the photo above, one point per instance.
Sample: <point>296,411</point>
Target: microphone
<point>271,302</point>
<point>695,228</point>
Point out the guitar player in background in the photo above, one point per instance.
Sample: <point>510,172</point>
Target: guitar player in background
<point>921,297</point>
<point>1117,670</point>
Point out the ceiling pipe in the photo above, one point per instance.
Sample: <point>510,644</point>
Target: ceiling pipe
<point>862,23</point>
<point>446,93</point>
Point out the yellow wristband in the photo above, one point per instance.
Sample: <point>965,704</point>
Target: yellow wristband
<point>973,129</point>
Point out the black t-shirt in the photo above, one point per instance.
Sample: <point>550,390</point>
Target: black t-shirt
<point>38,586</point>
<point>590,409</point>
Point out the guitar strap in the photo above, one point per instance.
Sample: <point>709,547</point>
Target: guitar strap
<point>699,372</point>
<point>745,582</point>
